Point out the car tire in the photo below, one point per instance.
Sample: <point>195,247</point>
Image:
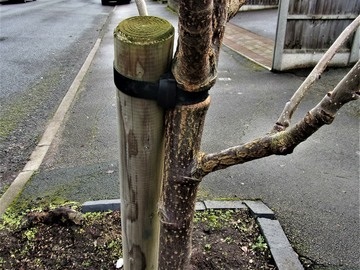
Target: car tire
<point>105,2</point>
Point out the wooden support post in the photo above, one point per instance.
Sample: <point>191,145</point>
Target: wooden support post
<point>143,52</point>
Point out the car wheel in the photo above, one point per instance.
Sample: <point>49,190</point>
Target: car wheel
<point>105,2</point>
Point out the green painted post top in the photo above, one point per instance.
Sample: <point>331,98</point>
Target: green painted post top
<point>142,30</point>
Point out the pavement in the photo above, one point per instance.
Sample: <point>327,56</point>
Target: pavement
<point>313,192</point>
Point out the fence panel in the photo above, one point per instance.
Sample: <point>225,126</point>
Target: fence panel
<point>307,28</point>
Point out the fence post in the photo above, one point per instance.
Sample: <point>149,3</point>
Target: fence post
<point>143,49</point>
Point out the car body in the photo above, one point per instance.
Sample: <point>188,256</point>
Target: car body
<point>114,2</point>
<point>15,1</point>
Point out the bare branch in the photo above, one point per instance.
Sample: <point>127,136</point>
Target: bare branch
<point>284,142</point>
<point>284,120</point>
<point>141,6</point>
<point>233,7</point>
<point>347,89</point>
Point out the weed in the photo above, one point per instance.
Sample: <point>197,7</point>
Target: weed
<point>115,245</point>
<point>11,220</point>
<point>260,244</point>
<point>3,190</point>
<point>86,263</point>
<point>207,247</point>
<point>38,262</point>
<point>215,219</point>
<point>30,233</point>
<point>228,240</point>
<point>92,216</point>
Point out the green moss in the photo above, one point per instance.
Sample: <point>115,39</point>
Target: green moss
<point>203,194</point>
<point>255,67</point>
<point>3,189</point>
<point>24,105</point>
<point>144,30</point>
<point>13,218</point>
<point>280,140</point>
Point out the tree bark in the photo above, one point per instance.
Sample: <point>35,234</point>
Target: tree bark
<point>183,130</point>
<point>201,30</point>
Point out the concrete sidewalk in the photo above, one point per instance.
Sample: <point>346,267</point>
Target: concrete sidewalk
<point>313,192</point>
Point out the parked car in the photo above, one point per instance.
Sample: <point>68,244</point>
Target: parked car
<point>15,1</point>
<point>114,2</point>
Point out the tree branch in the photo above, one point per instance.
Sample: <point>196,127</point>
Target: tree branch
<point>284,142</point>
<point>141,6</point>
<point>233,7</point>
<point>284,120</point>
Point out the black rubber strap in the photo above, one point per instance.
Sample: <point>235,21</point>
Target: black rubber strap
<point>165,91</point>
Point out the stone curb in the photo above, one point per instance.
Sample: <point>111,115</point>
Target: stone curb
<point>283,254</point>
<point>37,156</point>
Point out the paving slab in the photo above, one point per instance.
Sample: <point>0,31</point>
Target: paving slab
<point>224,205</point>
<point>259,209</point>
<point>284,255</point>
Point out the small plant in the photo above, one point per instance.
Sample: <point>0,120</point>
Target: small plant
<point>260,244</point>
<point>11,220</point>
<point>207,247</point>
<point>215,219</point>
<point>92,216</point>
<point>86,263</point>
<point>14,216</point>
<point>30,234</point>
<point>38,262</point>
<point>115,245</point>
<point>3,190</point>
<point>228,240</point>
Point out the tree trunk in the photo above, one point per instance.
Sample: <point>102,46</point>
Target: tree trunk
<point>143,52</point>
<point>183,132</point>
<point>201,30</point>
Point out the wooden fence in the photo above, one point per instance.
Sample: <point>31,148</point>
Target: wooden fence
<point>307,28</point>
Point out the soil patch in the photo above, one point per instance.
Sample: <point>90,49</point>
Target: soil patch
<point>62,238</point>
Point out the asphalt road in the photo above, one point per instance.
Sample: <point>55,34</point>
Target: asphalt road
<point>43,44</point>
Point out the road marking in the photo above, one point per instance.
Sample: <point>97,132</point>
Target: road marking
<point>37,156</point>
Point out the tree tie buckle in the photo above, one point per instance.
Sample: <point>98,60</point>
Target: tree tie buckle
<point>165,91</point>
